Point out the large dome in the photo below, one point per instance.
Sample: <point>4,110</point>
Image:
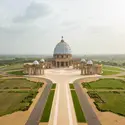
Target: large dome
<point>62,48</point>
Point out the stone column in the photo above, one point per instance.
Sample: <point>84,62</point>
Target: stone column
<point>56,64</point>
<point>81,68</point>
<point>64,64</point>
<point>88,70</point>
<point>37,71</point>
<point>32,70</point>
<point>59,64</point>
<point>68,63</point>
<point>28,71</point>
<point>43,69</point>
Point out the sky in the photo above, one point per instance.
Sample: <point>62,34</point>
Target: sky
<point>36,26</point>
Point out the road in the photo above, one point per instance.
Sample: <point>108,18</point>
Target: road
<point>35,115</point>
<point>90,115</point>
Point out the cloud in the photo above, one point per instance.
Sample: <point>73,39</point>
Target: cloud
<point>99,30</point>
<point>70,25</point>
<point>33,11</point>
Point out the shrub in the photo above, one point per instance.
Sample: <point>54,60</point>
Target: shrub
<point>6,88</point>
<point>15,87</point>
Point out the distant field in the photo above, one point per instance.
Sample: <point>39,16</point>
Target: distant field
<point>18,84</point>
<point>19,73</point>
<point>105,84</point>
<point>17,94</point>
<point>106,72</point>
<point>112,68</point>
<point>10,102</point>
<point>110,98</point>
<point>110,101</point>
<point>13,67</point>
<point>122,76</point>
<point>15,101</point>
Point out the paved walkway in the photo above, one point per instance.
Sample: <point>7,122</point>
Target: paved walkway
<point>39,107</point>
<point>90,115</point>
<point>107,90</point>
<point>63,111</point>
<point>62,108</point>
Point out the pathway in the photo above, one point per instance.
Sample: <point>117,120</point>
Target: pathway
<point>90,115</point>
<point>39,107</point>
<point>63,113</point>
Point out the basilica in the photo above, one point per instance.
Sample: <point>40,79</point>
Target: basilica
<point>62,57</point>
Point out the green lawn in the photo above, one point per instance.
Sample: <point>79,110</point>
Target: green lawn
<point>15,101</point>
<point>18,84</point>
<point>47,110</point>
<point>110,101</point>
<point>105,84</point>
<point>18,99</point>
<point>20,73</point>
<point>122,76</point>
<point>13,67</point>
<point>54,86</point>
<point>112,68</point>
<point>71,86</point>
<point>106,72</point>
<point>1,76</point>
<point>77,107</point>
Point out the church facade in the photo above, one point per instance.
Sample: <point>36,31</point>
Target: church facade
<point>62,57</point>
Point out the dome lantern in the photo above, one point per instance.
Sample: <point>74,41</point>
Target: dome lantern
<point>42,60</point>
<point>89,62</point>
<point>83,61</point>
<point>35,62</point>
<point>62,39</point>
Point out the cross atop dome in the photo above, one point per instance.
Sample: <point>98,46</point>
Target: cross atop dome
<point>62,39</point>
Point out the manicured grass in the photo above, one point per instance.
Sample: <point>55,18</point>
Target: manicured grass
<point>110,101</point>
<point>112,68</point>
<point>77,107</point>
<point>18,99</point>
<point>13,67</point>
<point>105,84</point>
<point>71,86</point>
<point>53,86</point>
<point>15,101</point>
<point>1,76</point>
<point>107,72</point>
<point>19,84</point>
<point>47,110</point>
<point>122,76</point>
<point>17,73</point>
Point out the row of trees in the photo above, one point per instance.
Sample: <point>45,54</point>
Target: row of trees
<point>15,60</point>
<point>111,63</point>
<point>25,60</point>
